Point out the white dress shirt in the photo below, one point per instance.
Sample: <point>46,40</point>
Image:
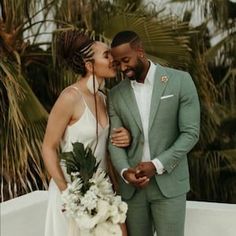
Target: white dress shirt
<point>143,95</point>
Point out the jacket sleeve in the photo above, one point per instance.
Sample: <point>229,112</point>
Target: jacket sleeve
<point>118,155</point>
<point>188,124</point>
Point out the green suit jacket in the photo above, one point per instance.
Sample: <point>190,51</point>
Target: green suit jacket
<point>174,122</point>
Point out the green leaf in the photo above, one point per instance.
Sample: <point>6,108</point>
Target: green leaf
<point>80,160</point>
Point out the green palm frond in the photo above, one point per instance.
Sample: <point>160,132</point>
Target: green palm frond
<point>228,90</point>
<point>213,176</point>
<point>223,47</point>
<point>163,38</point>
<point>217,10</point>
<point>27,70</point>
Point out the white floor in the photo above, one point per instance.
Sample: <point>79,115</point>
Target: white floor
<point>25,216</point>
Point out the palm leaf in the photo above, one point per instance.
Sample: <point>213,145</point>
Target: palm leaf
<point>81,161</point>
<point>167,41</point>
<point>213,176</point>
<point>23,117</point>
<point>161,37</point>
<point>22,131</point>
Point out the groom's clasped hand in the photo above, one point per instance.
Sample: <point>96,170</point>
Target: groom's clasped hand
<point>140,175</point>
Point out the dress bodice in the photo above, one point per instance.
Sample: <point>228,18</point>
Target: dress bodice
<point>84,131</point>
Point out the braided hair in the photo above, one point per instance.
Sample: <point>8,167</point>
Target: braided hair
<point>73,47</point>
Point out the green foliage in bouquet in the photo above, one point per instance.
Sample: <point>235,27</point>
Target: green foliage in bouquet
<point>81,163</point>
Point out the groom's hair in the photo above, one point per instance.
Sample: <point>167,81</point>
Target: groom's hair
<point>126,36</point>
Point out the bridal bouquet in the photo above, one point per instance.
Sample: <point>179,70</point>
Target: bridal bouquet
<point>89,198</point>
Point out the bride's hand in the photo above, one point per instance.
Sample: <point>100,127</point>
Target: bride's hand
<point>120,137</point>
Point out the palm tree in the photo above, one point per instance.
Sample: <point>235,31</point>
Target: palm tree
<point>26,71</point>
<point>175,43</point>
<point>31,80</point>
<point>213,160</point>
<point>23,117</point>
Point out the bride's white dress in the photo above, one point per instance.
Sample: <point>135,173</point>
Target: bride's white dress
<point>84,131</point>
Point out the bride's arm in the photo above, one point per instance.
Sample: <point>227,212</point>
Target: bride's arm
<point>120,137</point>
<point>124,229</point>
<point>58,120</point>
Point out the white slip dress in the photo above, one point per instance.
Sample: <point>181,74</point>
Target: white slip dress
<point>84,131</point>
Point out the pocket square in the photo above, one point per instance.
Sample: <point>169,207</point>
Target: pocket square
<point>167,96</point>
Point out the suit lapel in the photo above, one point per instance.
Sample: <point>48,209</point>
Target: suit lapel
<point>127,94</point>
<point>160,83</point>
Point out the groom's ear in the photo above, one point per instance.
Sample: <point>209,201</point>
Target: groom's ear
<point>138,47</point>
<point>140,52</point>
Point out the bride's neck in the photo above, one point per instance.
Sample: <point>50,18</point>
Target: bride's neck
<point>82,83</point>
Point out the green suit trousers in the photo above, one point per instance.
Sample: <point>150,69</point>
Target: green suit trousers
<point>149,211</point>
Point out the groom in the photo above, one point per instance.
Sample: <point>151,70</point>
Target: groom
<point>160,108</point>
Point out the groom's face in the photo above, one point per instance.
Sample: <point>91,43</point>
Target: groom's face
<point>128,60</point>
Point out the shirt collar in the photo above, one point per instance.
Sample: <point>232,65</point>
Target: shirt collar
<point>149,79</point>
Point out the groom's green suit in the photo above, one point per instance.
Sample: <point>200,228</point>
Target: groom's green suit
<point>174,122</point>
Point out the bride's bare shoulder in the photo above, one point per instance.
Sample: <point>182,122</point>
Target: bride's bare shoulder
<point>69,97</point>
<point>71,93</point>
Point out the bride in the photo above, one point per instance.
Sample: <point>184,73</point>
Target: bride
<point>79,115</point>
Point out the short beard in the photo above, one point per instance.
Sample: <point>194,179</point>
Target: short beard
<point>138,70</point>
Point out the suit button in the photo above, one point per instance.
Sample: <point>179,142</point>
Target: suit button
<point>173,166</point>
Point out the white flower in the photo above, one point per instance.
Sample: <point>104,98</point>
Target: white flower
<point>75,186</point>
<point>94,189</point>
<point>123,207</point>
<point>117,200</point>
<point>99,175</point>
<point>98,211</point>
<point>107,229</point>
<point>86,221</point>
<point>75,174</point>
<point>122,218</point>
<point>85,232</point>
<point>116,219</point>
<point>89,200</point>
<point>102,210</point>
<point>113,210</point>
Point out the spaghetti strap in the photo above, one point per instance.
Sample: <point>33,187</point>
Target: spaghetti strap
<point>75,88</point>
<point>79,92</point>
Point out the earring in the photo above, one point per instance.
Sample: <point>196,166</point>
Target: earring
<point>92,85</point>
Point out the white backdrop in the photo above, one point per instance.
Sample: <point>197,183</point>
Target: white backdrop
<point>25,216</point>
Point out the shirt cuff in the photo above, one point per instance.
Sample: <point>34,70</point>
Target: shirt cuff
<point>121,174</point>
<point>159,167</point>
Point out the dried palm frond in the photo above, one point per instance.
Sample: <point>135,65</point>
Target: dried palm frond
<point>22,130</point>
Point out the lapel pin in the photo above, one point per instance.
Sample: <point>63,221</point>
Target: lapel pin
<point>164,78</point>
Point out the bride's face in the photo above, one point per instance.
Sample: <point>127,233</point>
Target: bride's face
<point>103,61</point>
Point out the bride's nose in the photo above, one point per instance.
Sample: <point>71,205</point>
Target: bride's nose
<point>111,61</point>
<point>111,58</point>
